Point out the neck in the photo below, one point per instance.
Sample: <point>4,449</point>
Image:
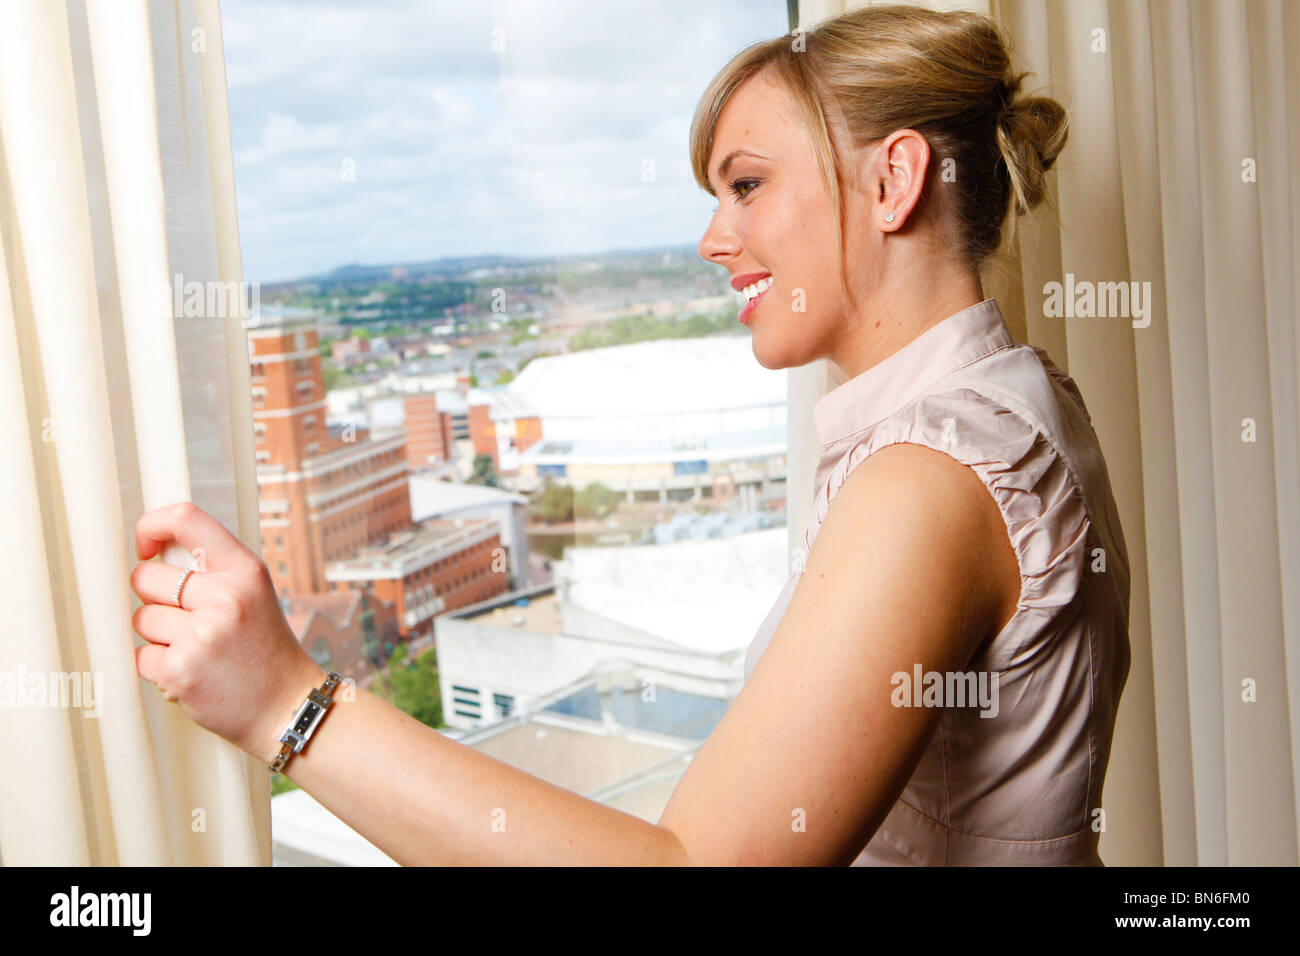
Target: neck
<point>881,326</point>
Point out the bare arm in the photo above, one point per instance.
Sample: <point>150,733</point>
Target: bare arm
<point>901,573</point>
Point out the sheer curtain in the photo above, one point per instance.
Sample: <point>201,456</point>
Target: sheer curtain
<point>1180,171</point>
<point>116,196</point>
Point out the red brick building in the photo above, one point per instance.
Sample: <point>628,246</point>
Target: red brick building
<point>341,629</point>
<point>433,567</point>
<point>321,497</point>
<point>428,431</point>
<point>501,428</point>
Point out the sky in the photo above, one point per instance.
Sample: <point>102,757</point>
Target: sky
<point>400,131</point>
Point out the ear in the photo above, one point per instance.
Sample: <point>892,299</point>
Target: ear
<point>898,176</point>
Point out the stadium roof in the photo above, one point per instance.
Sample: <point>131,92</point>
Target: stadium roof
<point>661,377</point>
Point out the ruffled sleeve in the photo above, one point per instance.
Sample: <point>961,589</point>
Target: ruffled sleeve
<point>1045,513</point>
<point>1066,383</point>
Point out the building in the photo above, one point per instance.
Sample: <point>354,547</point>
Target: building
<point>688,609</point>
<point>322,497</point>
<point>350,351</point>
<point>672,419</point>
<point>342,631</point>
<point>433,497</point>
<point>428,431</point>
<point>427,569</point>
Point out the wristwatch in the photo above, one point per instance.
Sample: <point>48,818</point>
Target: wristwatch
<point>305,721</point>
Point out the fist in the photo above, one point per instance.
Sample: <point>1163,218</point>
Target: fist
<point>226,655</point>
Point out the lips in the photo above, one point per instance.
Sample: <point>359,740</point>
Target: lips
<point>749,306</point>
<point>749,278</point>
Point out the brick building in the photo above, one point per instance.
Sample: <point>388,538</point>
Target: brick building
<point>433,567</point>
<point>321,497</point>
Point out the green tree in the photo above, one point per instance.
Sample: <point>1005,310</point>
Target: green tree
<point>594,501</point>
<point>412,687</point>
<point>483,472</point>
<point>553,501</point>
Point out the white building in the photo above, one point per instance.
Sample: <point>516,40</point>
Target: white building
<point>672,418</point>
<point>449,500</point>
<point>686,610</point>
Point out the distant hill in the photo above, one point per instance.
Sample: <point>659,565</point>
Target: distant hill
<point>460,265</point>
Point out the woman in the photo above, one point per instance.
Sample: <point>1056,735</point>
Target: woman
<point>937,683</point>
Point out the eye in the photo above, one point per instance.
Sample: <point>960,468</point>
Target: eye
<point>740,184</point>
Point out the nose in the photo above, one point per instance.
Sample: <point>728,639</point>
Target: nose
<point>719,242</point>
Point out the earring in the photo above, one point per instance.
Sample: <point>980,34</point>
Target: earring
<point>889,217</point>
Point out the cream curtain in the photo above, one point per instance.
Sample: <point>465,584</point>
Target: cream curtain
<point>1181,170</point>
<point>116,183</point>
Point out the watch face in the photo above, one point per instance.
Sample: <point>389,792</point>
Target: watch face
<point>309,712</point>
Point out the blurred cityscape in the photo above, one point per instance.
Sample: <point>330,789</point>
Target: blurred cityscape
<point>538,504</point>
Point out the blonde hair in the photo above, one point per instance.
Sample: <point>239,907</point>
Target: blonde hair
<point>947,75</point>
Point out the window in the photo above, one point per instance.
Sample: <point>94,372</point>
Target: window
<point>466,701</point>
<point>300,235</point>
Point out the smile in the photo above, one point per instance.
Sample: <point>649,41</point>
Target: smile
<point>752,293</point>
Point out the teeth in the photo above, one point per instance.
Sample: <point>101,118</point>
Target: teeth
<point>762,285</point>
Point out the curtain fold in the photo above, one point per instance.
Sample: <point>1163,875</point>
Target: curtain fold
<point>1181,171</point>
<point>114,193</point>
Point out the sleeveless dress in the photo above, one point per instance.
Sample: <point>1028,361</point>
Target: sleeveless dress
<point>1022,787</point>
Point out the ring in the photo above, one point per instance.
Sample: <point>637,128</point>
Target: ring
<point>176,596</point>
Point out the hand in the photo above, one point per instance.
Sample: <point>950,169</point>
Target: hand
<point>227,655</point>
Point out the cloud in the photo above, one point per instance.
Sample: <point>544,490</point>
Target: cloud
<point>397,131</point>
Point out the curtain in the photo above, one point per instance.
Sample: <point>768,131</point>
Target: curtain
<point>1180,170</point>
<point>116,199</point>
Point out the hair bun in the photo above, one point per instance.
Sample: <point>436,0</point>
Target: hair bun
<point>1031,132</point>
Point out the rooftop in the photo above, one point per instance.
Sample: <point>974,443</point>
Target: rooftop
<point>657,378</point>
<point>707,595</point>
<point>430,496</point>
<point>539,613</point>
<point>405,552</point>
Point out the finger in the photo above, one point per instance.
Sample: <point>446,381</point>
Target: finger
<point>150,663</point>
<point>191,527</point>
<point>155,583</point>
<point>159,624</point>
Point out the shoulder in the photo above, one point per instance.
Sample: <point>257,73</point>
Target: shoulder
<point>930,533</point>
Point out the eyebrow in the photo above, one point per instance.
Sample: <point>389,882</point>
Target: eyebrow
<point>726,163</point>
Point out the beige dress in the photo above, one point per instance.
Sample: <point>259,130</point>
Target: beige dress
<point>1024,786</point>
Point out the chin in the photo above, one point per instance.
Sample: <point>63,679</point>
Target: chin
<point>772,358</point>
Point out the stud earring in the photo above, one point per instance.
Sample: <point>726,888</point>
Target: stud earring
<point>889,217</point>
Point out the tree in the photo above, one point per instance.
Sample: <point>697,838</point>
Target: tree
<point>483,472</point>
<point>594,501</point>
<point>553,502</point>
<point>412,687</point>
